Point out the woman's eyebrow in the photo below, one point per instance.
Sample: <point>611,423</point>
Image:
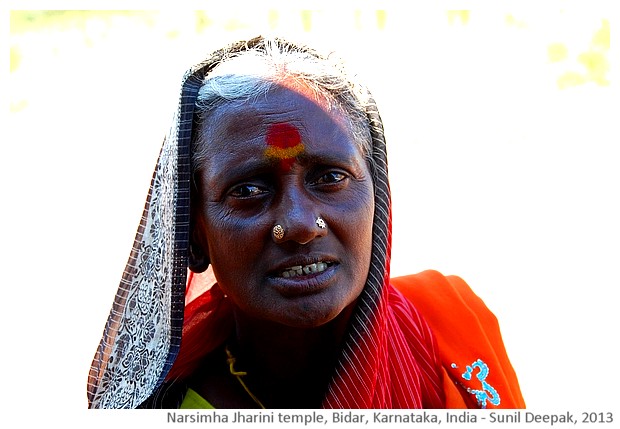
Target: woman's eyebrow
<point>247,168</point>
<point>339,158</point>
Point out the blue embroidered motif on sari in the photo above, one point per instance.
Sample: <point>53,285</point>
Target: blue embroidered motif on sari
<point>487,392</point>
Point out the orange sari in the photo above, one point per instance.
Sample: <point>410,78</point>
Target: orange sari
<point>476,369</point>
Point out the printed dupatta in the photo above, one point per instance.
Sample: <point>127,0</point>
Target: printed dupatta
<point>389,358</point>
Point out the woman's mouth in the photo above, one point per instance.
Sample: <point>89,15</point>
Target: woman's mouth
<point>304,279</point>
<point>304,270</point>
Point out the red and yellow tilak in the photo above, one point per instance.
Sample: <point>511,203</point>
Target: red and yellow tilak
<point>284,143</point>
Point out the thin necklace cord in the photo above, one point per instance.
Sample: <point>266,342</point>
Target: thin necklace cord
<point>238,374</point>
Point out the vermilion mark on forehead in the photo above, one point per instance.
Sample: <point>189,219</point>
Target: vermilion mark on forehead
<point>283,143</point>
<point>283,135</point>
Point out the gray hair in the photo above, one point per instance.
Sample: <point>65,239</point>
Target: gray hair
<point>248,74</point>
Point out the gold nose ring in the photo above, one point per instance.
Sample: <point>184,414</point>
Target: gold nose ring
<point>278,232</point>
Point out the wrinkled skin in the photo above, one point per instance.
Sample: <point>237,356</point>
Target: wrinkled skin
<point>288,329</point>
<point>245,193</point>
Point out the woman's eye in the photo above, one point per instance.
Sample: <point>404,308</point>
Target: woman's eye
<point>331,177</point>
<point>246,191</point>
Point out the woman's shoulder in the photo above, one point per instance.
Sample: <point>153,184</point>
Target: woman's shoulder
<point>431,292</point>
<point>468,337</point>
<point>431,281</point>
<point>454,312</point>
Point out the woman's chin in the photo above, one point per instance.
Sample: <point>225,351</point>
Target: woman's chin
<point>311,315</point>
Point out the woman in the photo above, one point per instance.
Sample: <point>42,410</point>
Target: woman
<point>271,187</point>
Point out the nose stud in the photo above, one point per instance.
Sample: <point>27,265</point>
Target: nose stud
<point>278,232</point>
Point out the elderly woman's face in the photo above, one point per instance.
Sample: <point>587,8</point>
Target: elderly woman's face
<point>284,160</point>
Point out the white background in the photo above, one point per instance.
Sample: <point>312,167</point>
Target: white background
<point>497,176</point>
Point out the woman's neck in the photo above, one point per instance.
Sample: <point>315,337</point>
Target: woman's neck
<point>288,367</point>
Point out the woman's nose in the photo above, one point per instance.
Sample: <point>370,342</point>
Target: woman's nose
<point>299,218</point>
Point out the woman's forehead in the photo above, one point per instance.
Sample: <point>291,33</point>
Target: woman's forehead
<point>276,130</point>
<point>281,115</point>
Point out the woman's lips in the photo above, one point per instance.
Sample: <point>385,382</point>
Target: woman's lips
<point>314,277</point>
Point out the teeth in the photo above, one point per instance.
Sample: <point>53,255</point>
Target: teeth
<point>299,270</point>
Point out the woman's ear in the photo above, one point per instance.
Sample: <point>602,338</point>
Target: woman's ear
<point>198,258</point>
<point>198,252</point>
